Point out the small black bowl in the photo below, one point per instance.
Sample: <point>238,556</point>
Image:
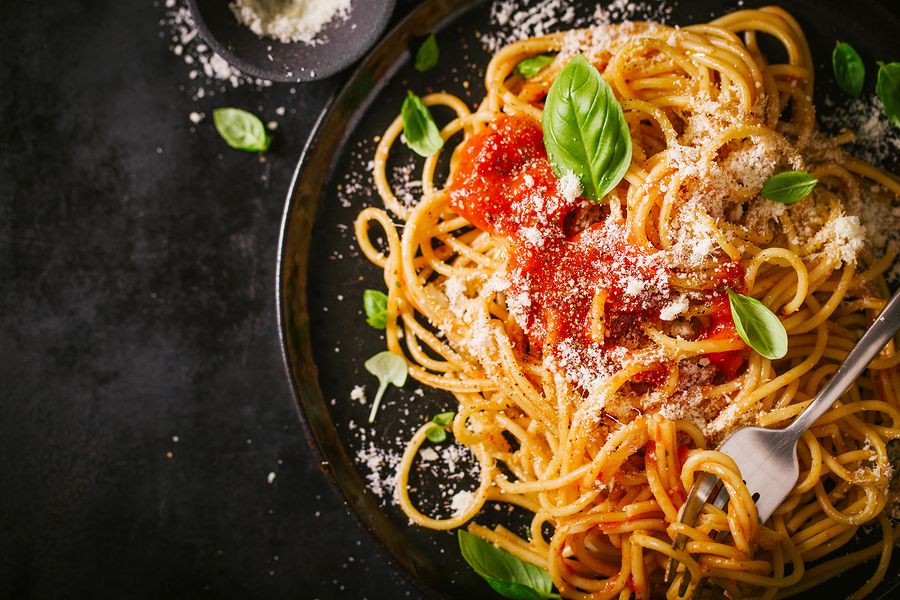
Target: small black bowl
<point>266,58</point>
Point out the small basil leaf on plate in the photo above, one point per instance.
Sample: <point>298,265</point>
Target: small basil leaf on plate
<point>888,89</point>
<point>585,131</point>
<point>375,305</point>
<point>428,54</point>
<point>443,419</point>
<point>388,368</point>
<point>241,130</point>
<point>506,574</point>
<point>530,67</point>
<point>435,434</point>
<point>789,186</point>
<point>758,326</point>
<point>419,131</point>
<point>849,69</point>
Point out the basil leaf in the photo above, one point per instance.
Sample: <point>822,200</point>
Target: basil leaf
<point>758,326</point>
<point>789,186</point>
<point>888,89</point>
<point>375,305</point>
<point>436,434</point>
<point>530,67</point>
<point>849,69</point>
<point>585,129</point>
<point>444,419</point>
<point>428,54</point>
<point>421,134</point>
<point>241,130</point>
<point>505,573</point>
<point>388,368</point>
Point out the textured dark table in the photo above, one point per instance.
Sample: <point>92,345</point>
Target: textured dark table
<point>143,403</point>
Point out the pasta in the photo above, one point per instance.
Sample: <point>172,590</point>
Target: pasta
<point>590,346</point>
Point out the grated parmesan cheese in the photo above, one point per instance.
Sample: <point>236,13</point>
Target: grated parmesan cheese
<point>533,235</point>
<point>428,454</point>
<point>843,237</point>
<point>675,308</point>
<point>293,21</point>
<point>461,502</point>
<point>209,73</point>
<point>358,393</point>
<point>569,187</point>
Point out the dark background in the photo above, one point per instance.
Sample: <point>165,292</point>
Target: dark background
<point>137,307</point>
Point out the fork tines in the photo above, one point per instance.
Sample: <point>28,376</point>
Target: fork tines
<point>705,486</point>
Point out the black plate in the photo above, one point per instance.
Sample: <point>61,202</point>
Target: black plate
<point>326,340</point>
<point>266,58</point>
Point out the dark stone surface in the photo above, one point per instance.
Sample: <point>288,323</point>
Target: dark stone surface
<point>137,257</point>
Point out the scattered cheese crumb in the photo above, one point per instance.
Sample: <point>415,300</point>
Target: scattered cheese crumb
<point>461,501</point>
<point>569,187</point>
<point>358,393</point>
<point>675,308</point>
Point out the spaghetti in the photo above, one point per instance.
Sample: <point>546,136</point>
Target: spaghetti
<point>590,346</point>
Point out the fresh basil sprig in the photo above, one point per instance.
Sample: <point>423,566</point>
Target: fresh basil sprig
<point>421,134</point>
<point>509,576</point>
<point>788,187</point>
<point>437,432</point>
<point>758,326</point>
<point>849,69</point>
<point>375,305</point>
<point>530,67</point>
<point>888,89</point>
<point>585,129</point>
<point>388,368</point>
<point>428,54</point>
<point>241,130</point>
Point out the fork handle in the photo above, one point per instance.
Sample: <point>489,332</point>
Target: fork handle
<point>869,346</point>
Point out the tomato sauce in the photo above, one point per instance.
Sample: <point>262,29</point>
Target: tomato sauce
<point>560,255</point>
<point>721,326</point>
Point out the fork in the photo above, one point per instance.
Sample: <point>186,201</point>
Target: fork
<point>767,458</point>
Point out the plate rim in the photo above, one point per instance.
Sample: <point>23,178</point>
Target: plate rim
<point>451,9</point>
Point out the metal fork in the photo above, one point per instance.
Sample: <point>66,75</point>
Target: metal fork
<point>767,458</point>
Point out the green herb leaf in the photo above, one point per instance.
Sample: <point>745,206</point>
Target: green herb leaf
<point>506,574</point>
<point>530,67</point>
<point>241,130</point>
<point>788,187</point>
<point>375,305</point>
<point>421,134</point>
<point>585,129</point>
<point>758,326</point>
<point>444,419</point>
<point>428,54</point>
<point>388,368</point>
<point>849,69</point>
<point>436,434</point>
<point>888,89</point>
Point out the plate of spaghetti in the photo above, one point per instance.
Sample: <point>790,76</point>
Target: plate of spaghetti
<point>539,259</point>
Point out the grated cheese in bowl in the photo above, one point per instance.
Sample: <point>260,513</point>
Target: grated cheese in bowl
<point>290,20</point>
